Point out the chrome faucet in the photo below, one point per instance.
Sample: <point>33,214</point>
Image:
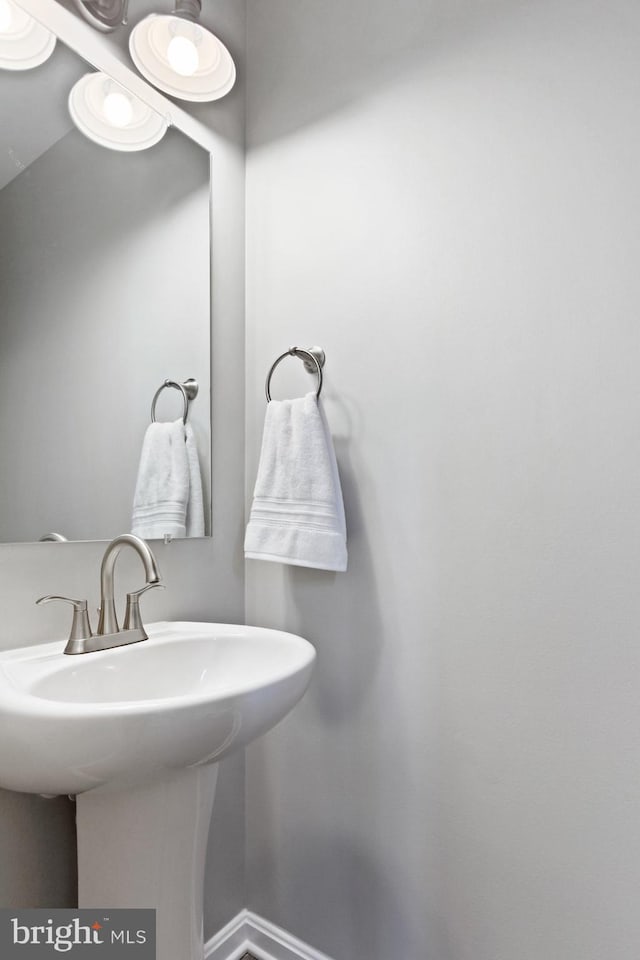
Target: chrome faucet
<point>109,633</point>
<point>108,622</point>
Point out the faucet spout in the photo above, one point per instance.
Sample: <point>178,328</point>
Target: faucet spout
<point>108,622</point>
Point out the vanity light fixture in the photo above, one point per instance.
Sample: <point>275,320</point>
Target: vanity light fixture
<point>104,15</point>
<point>181,57</point>
<point>111,116</point>
<point>24,43</point>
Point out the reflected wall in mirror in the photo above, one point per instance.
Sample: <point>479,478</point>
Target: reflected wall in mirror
<point>104,294</point>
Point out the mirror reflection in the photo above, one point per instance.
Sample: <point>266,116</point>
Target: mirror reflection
<point>104,292</point>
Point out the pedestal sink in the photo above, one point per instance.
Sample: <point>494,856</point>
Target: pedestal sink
<point>135,733</point>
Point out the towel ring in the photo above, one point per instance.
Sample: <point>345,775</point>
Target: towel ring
<point>313,359</point>
<point>188,389</point>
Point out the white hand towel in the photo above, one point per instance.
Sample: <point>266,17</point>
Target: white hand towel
<point>297,514</point>
<point>195,506</point>
<point>165,483</point>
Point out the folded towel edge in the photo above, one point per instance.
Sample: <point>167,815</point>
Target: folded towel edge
<point>339,567</point>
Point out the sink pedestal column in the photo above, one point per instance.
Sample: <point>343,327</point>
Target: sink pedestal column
<point>144,845</point>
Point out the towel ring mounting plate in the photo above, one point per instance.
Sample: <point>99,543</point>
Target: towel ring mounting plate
<point>313,359</point>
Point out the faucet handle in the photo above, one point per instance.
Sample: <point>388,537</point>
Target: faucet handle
<point>132,618</point>
<point>80,626</point>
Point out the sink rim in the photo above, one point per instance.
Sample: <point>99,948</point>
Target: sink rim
<point>21,699</point>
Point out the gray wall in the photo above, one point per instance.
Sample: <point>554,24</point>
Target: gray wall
<point>444,196</point>
<point>204,578</point>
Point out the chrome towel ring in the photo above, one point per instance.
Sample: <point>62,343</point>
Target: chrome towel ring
<point>313,359</point>
<point>188,389</point>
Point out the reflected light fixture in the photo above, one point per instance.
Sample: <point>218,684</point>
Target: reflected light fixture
<point>24,43</point>
<point>111,116</point>
<point>181,57</point>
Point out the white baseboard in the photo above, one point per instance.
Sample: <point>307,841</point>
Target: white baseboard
<point>231,942</point>
<point>248,932</point>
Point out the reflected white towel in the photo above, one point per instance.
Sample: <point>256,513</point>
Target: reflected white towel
<point>195,504</point>
<point>297,514</point>
<point>168,496</point>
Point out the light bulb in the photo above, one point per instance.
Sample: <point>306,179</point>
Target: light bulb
<point>6,16</point>
<point>117,109</point>
<point>182,55</point>
<point>111,116</point>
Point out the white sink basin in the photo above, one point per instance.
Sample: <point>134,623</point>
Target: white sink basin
<point>136,732</point>
<point>187,696</point>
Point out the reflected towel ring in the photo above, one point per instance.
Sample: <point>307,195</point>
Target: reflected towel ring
<point>313,359</point>
<point>188,389</point>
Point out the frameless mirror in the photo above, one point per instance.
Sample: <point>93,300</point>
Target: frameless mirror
<point>104,295</point>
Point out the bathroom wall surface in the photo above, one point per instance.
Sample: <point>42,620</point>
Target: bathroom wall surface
<point>444,196</point>
<point>204,578</point>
